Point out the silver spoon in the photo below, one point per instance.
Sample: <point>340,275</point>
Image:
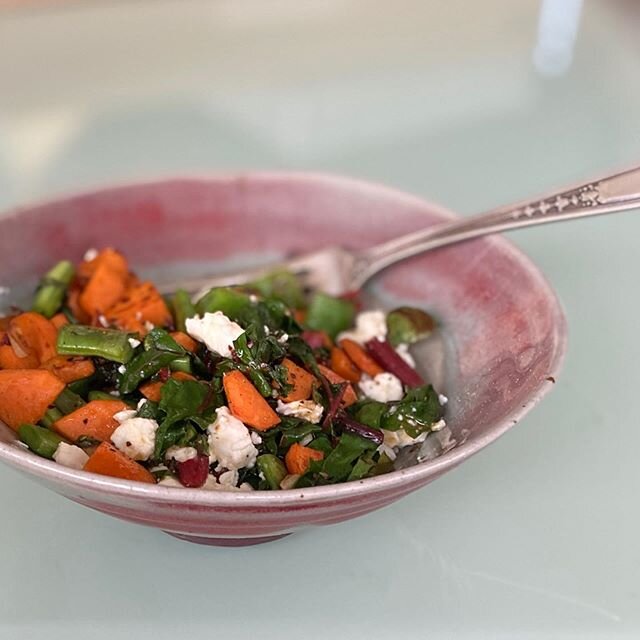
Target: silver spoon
<point>336,270</point>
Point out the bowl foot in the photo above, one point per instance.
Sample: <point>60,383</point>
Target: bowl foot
<point>227,542</point>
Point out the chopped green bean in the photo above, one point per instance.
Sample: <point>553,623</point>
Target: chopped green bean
<point>68,401</point>
<point>181,364</point>
<point>272,468</point>
<point>39,440</point>
<point>53,288</point>
<point>143,367</point>
<point>52,415</point>
<point>80,340</point>
<point>183,308</point>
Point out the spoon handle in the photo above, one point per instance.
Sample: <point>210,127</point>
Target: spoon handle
<point>609,194</point>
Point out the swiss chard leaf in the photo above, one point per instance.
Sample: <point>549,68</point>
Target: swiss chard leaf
<point>142,367</point>
<point>415,413</point>
<point>339,464</point>
<point>160,340</point>
<point>169,434</point>
<point>182,399</point>
<point>369,412</point>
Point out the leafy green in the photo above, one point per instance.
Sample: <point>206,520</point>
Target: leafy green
<point>181,399</point>
<point>281,285</point>
<point>330,314</point>
<point>415,413</point>
<point>160,340</point>
<point>339,464</point>
<point>228,300</point>
<point>143,366</point>
<point>369,412</point>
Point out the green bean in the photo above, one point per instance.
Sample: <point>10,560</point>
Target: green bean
<point>183,308</point>
<point>52,415</point>
<point>80,340</point>
<point>52,289</point>
<point>39,440</point>
<point>68,401</point>
<point>272,468</point>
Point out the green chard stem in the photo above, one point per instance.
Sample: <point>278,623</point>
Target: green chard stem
<point>52,289</point>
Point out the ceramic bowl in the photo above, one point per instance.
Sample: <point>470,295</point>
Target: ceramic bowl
<point>500,343</point>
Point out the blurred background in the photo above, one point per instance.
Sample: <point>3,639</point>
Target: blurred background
<point>470,104</point>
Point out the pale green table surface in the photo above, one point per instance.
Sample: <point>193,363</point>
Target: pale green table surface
<point>467,103</point>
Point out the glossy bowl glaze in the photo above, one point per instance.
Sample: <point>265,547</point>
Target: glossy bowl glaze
<point>498,350</point>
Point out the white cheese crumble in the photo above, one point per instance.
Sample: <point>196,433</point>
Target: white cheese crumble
<point>437,426</point>
<point>226,482</point>
<point>68,455</point>
<point>122,369</point>
<point>216,330</point>
<point>403,351</point>
<point>181,454</point>
<point>103,321</point>
<point>134,343</point>
<point>124,415</point>
<point>141,404</point>
<point>136,437</point>
<point>369,325</point>
<point>149,326</point>
<point>90,254</point>
<point>385,387</point>
<point>283,338</point>
<point>230,442</point>
<point>304,409</point>
<point>442,399</point>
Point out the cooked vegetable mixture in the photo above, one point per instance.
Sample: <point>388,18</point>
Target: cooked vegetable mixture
<point>261,387</point>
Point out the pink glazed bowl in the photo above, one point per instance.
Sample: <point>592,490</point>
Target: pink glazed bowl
<point>500,344</point>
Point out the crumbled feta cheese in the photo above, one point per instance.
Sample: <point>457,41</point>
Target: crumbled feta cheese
<point>388,451</point>
<point>283,338</point>
<point>68,455</point>
<point>215,330</point>
<point>124,415</point>
<point>385,387</point>
<point>304,409</point>
<point>253,298</point>
<point>266,330</point>
<point>442,399</point>
<point>103,321</point>
<point>403,351</point>
<point>170,481</point>
<point>141,404</point>
<point>400,438</point>
<point>255,438</point>
<point>115,394</point>
<point>230,443</point>
<point>437,426</point>
<point>369,325</point>
<point>90,254</point>
<point>122,369</point>
<point>134,343</point>
<point>226,482</point>
<point>181,454</point>
<point>149,326</point>
<point>136,437</point>
<point>289,481</point>
<point>306,440</point>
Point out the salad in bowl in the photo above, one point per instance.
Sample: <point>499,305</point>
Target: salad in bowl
<point>260,387</point>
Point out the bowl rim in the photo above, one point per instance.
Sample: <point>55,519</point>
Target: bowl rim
<point>41,468</point>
